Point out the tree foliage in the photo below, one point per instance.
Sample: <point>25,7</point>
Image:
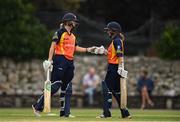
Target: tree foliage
<point>130,13</point>
<point>67,4</point>
<point>22,36</point>
<point>169,45</point>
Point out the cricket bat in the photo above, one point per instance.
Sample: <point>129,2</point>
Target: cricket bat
<point>123,90</point>
<point>47,94</point>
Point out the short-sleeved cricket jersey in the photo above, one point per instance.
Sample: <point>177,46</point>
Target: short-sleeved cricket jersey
<point>115,50</point>
<point>65,43</point>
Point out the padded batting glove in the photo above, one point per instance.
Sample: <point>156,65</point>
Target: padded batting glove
<point>123,73</point>
<point>91,49</point>
<point>47,65</point>
<point>100,50</point>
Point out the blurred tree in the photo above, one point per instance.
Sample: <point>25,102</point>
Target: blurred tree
<point>169,45</point>
<point>67,4</point>
<point>72,5</point>
<point>131,13</point>
<point>22,36</point>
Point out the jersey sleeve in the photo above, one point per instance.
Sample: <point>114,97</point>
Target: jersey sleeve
<point>118,44</point>
<point>76,41</point>
<point>57,35</point>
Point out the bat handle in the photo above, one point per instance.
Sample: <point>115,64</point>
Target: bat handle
<point>48,75</point>
<point>123,62</point>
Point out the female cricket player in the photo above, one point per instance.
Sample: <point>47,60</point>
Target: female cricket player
<point>111,84</point>
<point>61,55</point>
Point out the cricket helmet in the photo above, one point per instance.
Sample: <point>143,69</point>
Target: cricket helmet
<point>114,26</point>
<point>70,17</point>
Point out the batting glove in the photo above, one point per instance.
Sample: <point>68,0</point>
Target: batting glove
<point>91,49</point>
<point>123,73</point>
<point>47,65</point>
<point>100,50</point>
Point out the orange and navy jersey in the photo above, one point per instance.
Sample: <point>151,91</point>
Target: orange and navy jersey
<point>115,50</point>
<point>65,43</point>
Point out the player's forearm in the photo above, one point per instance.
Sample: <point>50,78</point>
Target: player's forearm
<point>51,51</point>
<point>120,61</point>
<point>121,70</point>
<point>81,49</point>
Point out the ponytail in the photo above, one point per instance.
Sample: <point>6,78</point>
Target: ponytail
<point>61,25</point>
<point>122,36</point>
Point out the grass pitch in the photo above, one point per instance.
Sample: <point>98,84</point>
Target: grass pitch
<point>84,115</point>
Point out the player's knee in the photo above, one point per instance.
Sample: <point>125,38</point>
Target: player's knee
<point>106,93</point>
<point>109,100</point>
<point>55,86</point>
<point>105,89</point>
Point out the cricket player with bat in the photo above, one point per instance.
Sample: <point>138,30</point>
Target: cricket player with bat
<point>115,80</point>
<point>61,54</point>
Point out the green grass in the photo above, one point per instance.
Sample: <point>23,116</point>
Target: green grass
<point>26,115</point>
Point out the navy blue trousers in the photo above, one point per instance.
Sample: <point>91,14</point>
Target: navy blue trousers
<point>111,86</point>
<point>65,99</point>
<point>62,74</point>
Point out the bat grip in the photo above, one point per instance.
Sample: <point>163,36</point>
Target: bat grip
<point>48,75</point>
<point>123,62</point>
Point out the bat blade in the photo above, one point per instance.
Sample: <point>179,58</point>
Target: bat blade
<point>47,96</point>
<point>123,93</point>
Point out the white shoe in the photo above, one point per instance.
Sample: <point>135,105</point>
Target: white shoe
<point>102,116</point>
<point>128,117</point>
<point>36,113</point>
<point>71,116</point>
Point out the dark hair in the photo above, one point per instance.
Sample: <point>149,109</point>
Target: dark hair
<point>122,36</point>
